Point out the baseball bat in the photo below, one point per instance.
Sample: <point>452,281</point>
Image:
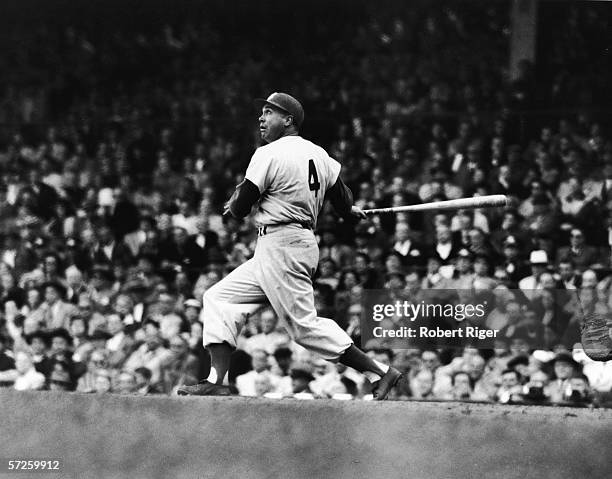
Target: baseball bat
<point>458,204</point>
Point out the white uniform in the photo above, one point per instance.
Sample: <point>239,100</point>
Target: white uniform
<point>292,175</point>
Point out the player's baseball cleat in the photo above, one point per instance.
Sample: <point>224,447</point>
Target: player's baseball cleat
<point>387,382</point>
<point>204,388</point>
<point>596,339</point>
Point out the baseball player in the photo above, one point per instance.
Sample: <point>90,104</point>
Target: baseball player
<point>288,179</point>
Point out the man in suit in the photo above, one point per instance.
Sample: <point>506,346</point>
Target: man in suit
<point>57,312</point>
<point>197,249</point>
<point>581,254</point>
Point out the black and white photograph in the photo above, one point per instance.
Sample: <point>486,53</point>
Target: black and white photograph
<point>305,239</point>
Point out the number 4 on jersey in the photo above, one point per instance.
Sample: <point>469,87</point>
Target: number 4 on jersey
<point>313,178</point>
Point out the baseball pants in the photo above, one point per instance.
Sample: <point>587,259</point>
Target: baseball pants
<point>280,274</point>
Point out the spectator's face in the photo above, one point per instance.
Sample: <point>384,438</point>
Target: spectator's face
<point>563,370</point>
<point>59,344</point>
<point>361,264</point>
<point>430,360</point>
<point>547,281</point>
<point>268,322</point>
<point>433,265</point>
<point>263,385</point>
<point>464,265</point>
<point>77,328</point>
<point>260,361</point>
<point>474,367</point>
<point>566,271</point>
<point>481,267</point>
<point>102,384</point>
<point>413,282</point>
<point>443,233</point>
<point>576,238</point>
<point>180,235</point>
<point>51,295</point>
<point>126,383</point>
<point>509,380</point>
<point>519,346</point>
<point>152,339</point>
<point>393,264</point>
<point>178,346</point>
<point>402,231</point>
<point>23,363</point>
<point>85,307</point>
<point>105,235</point>
<point>589,280</point>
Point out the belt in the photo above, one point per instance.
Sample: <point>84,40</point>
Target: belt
<point>265,229</point>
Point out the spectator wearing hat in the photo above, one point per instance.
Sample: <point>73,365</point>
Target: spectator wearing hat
<point>98,361</point>
<point>151,354</point>
<point>515,267</point>
<point>28,378</point>
<point>511,226</point>
<point>565,367</point>
<point>579,252</point>
<point>543,219</point>
<point>56,311</point>
<point>39,342</point>
<point>59,379</point>
<point>538,259</point>
<point>61,350</point>
<point>191,309</point>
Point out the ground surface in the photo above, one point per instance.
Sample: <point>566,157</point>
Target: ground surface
<point>159,437</point>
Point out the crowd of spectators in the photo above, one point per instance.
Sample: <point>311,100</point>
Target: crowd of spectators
<point>119,149</point>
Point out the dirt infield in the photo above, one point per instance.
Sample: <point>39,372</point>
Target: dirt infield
<point>159,437</point>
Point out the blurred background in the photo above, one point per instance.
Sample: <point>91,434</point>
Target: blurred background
<point>124,127</point>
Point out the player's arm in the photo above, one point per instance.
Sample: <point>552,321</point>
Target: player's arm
<point>341,199</point>
<point>242,200</point>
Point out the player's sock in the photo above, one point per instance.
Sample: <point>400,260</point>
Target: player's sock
<point>213,376</point>
<point>360,361</point>
<point>373,377</point>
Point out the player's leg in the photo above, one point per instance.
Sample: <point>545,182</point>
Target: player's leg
<point>285,277</point>
<point>225,309</point>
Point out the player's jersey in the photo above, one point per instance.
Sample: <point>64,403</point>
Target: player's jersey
<point>292,175</point>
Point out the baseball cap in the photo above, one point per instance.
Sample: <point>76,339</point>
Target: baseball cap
<point>286,103</point>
